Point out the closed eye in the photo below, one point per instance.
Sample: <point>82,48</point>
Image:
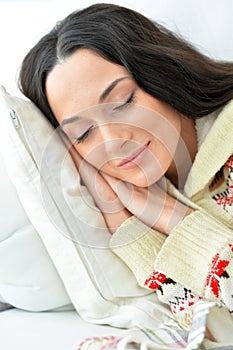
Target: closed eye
<point>84,135</point>
<point>126,103</point>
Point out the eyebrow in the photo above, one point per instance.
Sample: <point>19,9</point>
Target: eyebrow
<point>105,93</point>
<point>110,88</point>
<point>70,120</point>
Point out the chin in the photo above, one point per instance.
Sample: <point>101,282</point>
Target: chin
<point>147,178</point>
<point>142,181</point>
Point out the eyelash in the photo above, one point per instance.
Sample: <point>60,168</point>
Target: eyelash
<point>124,105</point>
<point>83,136</point>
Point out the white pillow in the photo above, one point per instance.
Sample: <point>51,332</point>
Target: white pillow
<point>28,277</point>
<point>99,284</point>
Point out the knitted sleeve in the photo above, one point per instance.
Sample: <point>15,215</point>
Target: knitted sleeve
<point>196,259</point>
<point>137,245</point>
<point>193,264</point>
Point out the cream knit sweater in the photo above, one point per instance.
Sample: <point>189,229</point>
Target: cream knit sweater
<point>195,261</point>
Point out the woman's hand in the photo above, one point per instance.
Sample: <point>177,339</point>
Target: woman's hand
<point>118,200</point>
<point>152,205</point>
<point>107,201</point>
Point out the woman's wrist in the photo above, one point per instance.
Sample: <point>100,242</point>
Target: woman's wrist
<point>179,217</point>
<point>174,213</point>
<point>115,220</point>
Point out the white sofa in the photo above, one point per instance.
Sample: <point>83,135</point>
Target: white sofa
<point>48,330</point>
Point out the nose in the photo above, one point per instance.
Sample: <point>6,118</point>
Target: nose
<point>114,136</point>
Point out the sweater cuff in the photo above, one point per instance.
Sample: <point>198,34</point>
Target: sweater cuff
<point>137,245</point>
<point>187,253</point>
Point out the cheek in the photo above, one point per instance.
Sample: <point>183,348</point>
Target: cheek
<point>93,153</point>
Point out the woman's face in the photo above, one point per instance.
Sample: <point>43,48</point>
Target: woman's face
<point>113,123</point>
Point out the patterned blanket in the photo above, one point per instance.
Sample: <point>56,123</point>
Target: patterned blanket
<point>198,337</point>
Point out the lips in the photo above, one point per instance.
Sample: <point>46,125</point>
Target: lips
<point>133,158</point>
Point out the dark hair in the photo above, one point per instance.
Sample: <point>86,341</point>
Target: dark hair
<point>162,64</point>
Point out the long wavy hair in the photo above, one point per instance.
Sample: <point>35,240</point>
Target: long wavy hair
<point>161,63</point>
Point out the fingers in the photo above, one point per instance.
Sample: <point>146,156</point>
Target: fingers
<point>106,199</point>
<point>141,202</point>
<point>112,181</point>
<point>123,190</point>
<point>93,180</point>
<point>104,196</point>
<point>116,184</point>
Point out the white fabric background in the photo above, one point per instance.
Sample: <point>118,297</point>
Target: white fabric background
<point>208,24</point>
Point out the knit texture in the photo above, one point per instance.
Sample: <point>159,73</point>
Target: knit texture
<point>137,245</point>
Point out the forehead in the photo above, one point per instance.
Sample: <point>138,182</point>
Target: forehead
<point>76,83</point>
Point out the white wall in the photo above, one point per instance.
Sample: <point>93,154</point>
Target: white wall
<point>208,24</point>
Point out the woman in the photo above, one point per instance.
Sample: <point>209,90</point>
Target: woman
<point>150,120</point>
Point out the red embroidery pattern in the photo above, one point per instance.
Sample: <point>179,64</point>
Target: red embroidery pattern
<point>180,298</point>
<point>231,246</point>
<point>229,164</point>
<point>183,302</point>
<point>155,280</point>
<point>218,267</point>
<point>225,198</point>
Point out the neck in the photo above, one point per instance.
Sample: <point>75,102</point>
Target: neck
<point>185,153</point>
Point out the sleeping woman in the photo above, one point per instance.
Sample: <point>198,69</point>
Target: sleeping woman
<point>149,121</point>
